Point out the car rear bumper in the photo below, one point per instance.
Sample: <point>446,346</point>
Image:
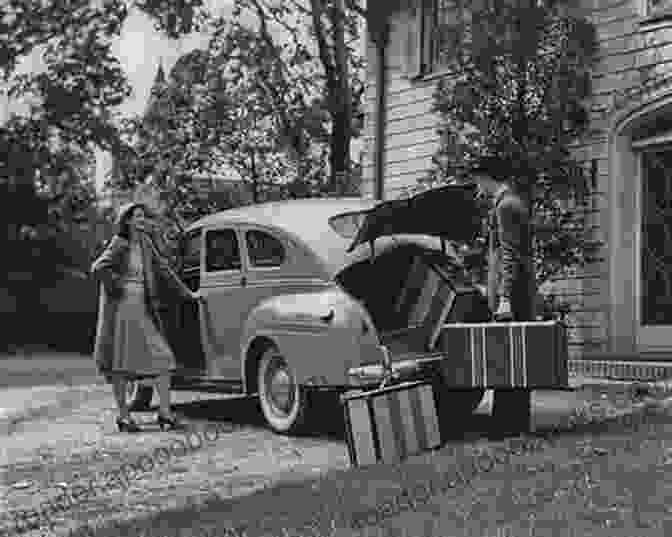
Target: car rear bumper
<point>422,366</point>
<point>408,367</point>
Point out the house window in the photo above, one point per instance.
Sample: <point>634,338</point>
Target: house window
<point>441,21</point>
<point>656,238</point>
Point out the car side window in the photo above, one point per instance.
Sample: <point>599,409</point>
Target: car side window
<point>191,259</point>
<point>222,251</point>
<point>264,249</point>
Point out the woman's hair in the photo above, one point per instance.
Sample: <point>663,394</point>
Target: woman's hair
<point>123,226</point>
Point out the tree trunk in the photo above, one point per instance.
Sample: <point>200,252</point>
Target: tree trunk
<point>341,116</point>
<point>339,158</point>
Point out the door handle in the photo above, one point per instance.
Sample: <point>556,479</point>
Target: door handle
<point>243,281</point>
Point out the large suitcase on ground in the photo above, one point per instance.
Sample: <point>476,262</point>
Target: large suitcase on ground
<point>389,424</point>
<point>505,355</point>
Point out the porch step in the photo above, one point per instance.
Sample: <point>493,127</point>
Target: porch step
<point>621,369</point>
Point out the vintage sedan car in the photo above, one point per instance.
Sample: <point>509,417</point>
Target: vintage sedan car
<point>301,295</point>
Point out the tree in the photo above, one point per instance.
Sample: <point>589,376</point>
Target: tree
<point>249,113</point>
<point>329,46</point>
<point>175,142</point>
<point>72,98</point>
<point>518,91</point>
<point>276,131</point>
<point>69,102</point>
<point>47,149</point>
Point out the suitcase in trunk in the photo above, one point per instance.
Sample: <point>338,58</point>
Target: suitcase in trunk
<point>389,424</point>
<point>505,355</point>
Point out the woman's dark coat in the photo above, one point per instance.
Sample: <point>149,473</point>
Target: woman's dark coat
<point>109,269</point>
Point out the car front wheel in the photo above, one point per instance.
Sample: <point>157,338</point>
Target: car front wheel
<point>283,401</point>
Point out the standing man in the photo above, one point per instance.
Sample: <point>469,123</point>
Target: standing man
<point>510,280</point>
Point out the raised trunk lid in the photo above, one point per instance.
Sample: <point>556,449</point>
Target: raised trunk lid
<point>449,212</point>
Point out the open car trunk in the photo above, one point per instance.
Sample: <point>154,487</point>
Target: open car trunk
<point>411,290</point>
<point>410,293</point>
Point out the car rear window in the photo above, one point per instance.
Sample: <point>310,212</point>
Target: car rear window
<point>347,224</point>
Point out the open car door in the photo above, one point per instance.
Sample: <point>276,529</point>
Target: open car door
<point>450,212</point>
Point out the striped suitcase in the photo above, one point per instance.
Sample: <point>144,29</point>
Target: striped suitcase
<point>505,355</point>
<point>389,424</point>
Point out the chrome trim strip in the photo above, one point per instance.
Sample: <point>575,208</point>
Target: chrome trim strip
<point>266,283</point>
<point>472,341</point>
<point>484,360</point>
<point>524,341</point>
<point>403,367</point>
<point>512,357</point>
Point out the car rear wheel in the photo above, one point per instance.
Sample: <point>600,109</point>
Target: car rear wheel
<point>283,401</point>
<point>138,396</point>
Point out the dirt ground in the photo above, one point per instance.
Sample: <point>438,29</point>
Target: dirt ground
<point>74,445</point>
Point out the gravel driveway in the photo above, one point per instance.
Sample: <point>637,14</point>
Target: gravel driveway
<point>75,445</point>
<point>79,444</point>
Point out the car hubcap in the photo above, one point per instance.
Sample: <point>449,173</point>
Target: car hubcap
<point>280,387</point>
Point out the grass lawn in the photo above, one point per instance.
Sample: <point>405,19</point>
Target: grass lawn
<point>605,478</point>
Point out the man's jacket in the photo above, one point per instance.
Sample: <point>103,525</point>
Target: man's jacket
<point>509,275</point>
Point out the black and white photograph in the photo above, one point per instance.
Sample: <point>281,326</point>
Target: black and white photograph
<point>336,268</point>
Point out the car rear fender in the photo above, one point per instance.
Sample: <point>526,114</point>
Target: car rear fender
<point>321,334</point>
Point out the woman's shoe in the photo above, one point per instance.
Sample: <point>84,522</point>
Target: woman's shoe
<point>169,423</point>
<point>127,425</point>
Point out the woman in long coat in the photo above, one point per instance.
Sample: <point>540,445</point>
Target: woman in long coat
<point>129,340</point>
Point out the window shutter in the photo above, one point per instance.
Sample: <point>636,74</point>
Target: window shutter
<point>412,52</point>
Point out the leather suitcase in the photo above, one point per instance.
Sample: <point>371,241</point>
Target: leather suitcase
<point>505,355</point>
<point>389,424</point>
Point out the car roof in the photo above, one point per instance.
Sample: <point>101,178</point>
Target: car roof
<point>305,219</point>
<point>287,214</point>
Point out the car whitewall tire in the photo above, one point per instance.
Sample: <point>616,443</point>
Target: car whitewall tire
<point>284,403</point>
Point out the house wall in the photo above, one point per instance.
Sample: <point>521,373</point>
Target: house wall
<point>602,299</point>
